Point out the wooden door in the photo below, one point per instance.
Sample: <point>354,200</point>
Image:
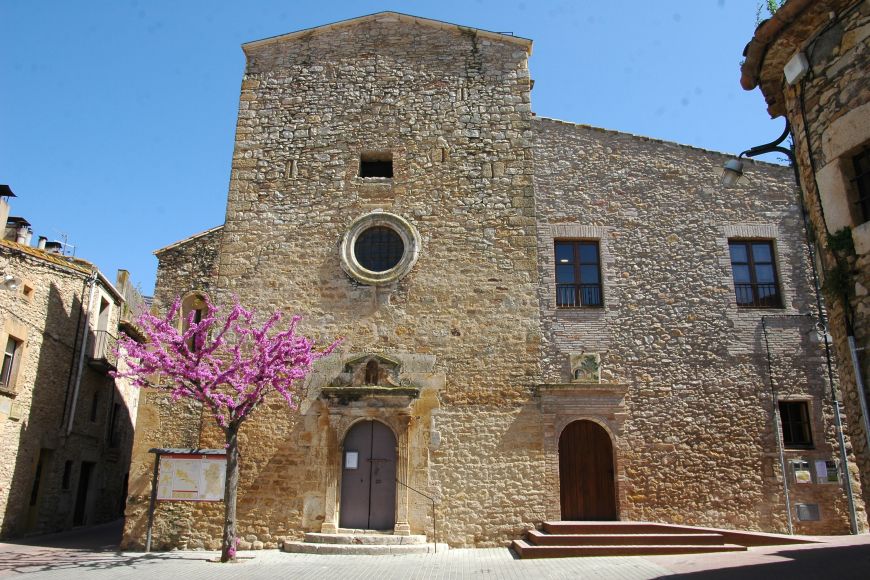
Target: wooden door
<point>80,512</point>
<point>368,478</point>
<point>586,473</point>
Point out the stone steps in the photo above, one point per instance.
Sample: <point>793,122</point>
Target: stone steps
<point>543,539</point>
<point>527,550</point>
<point>564,539</point>
<point>362,542</point>
<point>364,539</point>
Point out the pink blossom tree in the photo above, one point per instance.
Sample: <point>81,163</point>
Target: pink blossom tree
<point>227,364</point>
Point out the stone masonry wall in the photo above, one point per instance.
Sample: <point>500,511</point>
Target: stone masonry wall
<point>44,314</point>
<point>489,188</point>
<point>184,267</point>
<point>453,108</point>
<point>187,266</point>
<point>697,443</point>
<point>829,111</point>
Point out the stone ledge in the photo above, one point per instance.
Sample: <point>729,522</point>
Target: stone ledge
<point>360,549</point>
<point>364,539</point>
<point>580,388</point>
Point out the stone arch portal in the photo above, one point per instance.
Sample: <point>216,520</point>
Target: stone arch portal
<point>586,475</point>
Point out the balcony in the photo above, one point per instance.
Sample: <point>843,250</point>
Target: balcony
<point>757,295</point>
<point>101,350</point>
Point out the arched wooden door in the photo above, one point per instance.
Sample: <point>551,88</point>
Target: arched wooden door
<point>586,473</point>
<point>368,478</point>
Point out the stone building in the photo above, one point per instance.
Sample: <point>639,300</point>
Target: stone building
<point>540,318</point>
<point>67,426</point>
<point>811,62</point>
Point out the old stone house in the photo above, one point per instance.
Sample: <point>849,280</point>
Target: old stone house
<point>541,319</point>
<point>811,62</point>
<point>67,426</point>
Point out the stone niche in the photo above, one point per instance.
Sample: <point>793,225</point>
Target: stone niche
<point>372,375</point>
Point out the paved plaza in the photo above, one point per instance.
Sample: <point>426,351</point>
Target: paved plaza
<point>93,555</point>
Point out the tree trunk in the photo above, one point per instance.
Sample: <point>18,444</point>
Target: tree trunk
<point>231,489</point>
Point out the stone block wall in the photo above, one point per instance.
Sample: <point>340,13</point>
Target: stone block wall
<point>187,266</point>
<point>830,115</point>
<point>686,393</point>
<point>698,438</point>
<point>38,492</point>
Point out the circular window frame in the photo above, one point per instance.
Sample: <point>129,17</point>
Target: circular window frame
<point>410,238</point>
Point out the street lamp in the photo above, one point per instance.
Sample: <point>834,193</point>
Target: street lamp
<point>732,172</point>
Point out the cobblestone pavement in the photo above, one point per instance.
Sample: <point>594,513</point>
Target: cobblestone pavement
<point>93,555</point>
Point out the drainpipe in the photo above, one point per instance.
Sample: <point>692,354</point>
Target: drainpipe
<point>774,147</point>
<point>859,380</point>
<point>777,421</point>
<point>81,362</point>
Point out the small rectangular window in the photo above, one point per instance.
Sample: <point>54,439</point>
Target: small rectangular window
<point>795,419</point>
<point>95,405</point>
<point>10,360</point>
<point>861,163</point>
<point>578,274</point>
<point>754,271</point>
<point>376,164</point>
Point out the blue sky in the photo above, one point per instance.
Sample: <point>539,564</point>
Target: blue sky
<point>117,117</point>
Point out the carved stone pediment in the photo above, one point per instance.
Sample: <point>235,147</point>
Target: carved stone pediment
<point>370,375</point>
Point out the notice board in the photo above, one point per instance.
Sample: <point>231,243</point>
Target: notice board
<point>191,477</point>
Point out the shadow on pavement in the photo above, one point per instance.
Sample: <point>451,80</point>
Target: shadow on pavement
<point>839,562</point>
<point>84,549</point>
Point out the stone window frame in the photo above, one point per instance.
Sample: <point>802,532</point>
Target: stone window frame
<point>18,331</point>
<point>841,141</point>
<point>379,218</point>
<point>783,256</point>
<point>860,196</point>
<point>806,408</point>
<point>548,235</point>
<point>816,423</point>
<point>752,272</point>
<point>188,301</point>
<point>373,158</point>
<point>11,363</point>
<point>578,264</point>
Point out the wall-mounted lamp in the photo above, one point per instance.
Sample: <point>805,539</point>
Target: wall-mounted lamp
<point>732,172</point>
<point>9,282</point>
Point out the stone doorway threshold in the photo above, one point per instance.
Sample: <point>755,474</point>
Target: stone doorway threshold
<point>362,542</point>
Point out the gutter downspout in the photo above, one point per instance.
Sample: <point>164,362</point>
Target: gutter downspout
<point>777,421</point>
<point>78,380</point>
<point>859,380</point>
<point>772,147</point>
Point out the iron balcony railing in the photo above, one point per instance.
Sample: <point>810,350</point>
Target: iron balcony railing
<point>758,295</point>
<point>101,350</point>
<point>578,295</point>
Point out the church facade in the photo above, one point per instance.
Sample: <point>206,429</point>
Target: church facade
<point>541,320</point>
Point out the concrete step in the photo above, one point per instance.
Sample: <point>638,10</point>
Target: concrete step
<point>744,538</point>
<point>526,550</point>
<point>567,527</point>
<point>361,549</point>
<point>363,539</point>
<point>543,539</point>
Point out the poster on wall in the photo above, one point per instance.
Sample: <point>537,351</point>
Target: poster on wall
<point>190,477</point>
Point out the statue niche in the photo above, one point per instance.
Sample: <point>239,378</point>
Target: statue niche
<point>366,376</point>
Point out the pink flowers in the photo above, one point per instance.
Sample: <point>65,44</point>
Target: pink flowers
<point>229,364</point>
